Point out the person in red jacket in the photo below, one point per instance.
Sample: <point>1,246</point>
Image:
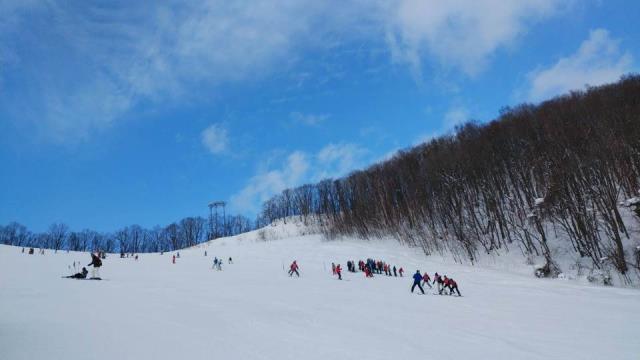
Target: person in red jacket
<point>367,272</point>
<point>426,280</point>
<point>445,283</point>
<point>453,286</point>
<point>401,271</point>
<point>293,269</point>
<point>174,259</point>
<point>339,271</point>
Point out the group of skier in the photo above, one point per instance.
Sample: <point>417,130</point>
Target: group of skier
<point>444,283</point>
<point>217,263</point>
<point>371,267</point>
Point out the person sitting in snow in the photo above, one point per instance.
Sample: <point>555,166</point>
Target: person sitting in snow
<point>96,263</point>
<point>417,278</point>
<point>80,275</point>
<point>293,269</point>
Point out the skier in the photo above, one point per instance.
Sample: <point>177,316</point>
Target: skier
<point>173,259</point>
<point>230,260</point>
<point>339,272</point>
<point>96,263</point>
<point>23,250</point>
<point>453,286</point>
<point>333,268</point>
<point>31,251</point>
<point>395,271</point>
<point>417,278</point>
<point>426,279</point>
<point>367,271</point>
<point>293,269</point>
<point>215,262</point>
<point>80,275</point>
<point>205,253</point>
<point>401,271</point>
<point>438,279</point>
<point>178,255</point>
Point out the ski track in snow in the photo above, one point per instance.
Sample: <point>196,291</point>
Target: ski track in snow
<point>152,309</point>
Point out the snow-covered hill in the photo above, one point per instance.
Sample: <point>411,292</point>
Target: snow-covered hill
<point>153,309</point>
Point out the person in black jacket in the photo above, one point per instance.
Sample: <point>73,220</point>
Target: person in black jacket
<point>80,275</point>
<point>96,263</point>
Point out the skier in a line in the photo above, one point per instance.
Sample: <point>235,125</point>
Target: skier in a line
<point>401,271</point>
<point>438,279</point>
<point>173,260</point>
<point>453,286</point>
<point>395,272</point>
<point>339,271</point>
<point>96,263</point>
<point>417,278</point>
<point>293,269</point>
<point>426,279</point>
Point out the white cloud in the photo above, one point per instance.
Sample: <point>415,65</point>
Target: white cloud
<point>268,183</point>
<point>333,160</point>
<point>215,138</point>
<point>461,34</point>
<point>308,119</point>
<point>454,117</point>
<point>153,53</point>
<point>599,60</point>
<point>336,160</point>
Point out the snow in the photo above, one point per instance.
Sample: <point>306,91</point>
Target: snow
<point>152,309</point>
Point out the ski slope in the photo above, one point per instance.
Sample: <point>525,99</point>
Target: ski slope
<point>153,309</point>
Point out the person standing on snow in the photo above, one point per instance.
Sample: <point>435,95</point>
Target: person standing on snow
<point>438,279</point>
<point>96,263</point>
<point>453,286</point>
<point>426,279</point>
<point>401,271</point>
<point>333,268</point>
<point>173,260</point>
<point>339,272</point>
<point>293,269</point>
<point>417,278</point>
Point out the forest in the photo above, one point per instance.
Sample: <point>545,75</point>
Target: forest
<point>130,239</point>
<point>564,172</point>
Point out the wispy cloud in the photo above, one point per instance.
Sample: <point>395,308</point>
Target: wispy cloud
<point>460,34</point>
<point>80,66</point>
<point>598,60</point>
<point>333,160</point>
<point>308,119</point>
<point>215,138</point>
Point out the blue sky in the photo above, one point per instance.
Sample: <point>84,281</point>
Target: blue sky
<point>113,114</point>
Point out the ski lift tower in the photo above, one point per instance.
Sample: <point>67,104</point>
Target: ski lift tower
<point>213,218</point>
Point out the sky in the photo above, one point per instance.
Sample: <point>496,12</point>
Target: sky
<point>115,113</point>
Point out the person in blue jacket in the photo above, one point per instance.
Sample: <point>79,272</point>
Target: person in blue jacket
<point>417,278</point>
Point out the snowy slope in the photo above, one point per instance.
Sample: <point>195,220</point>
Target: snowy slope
<point>152,309</point>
